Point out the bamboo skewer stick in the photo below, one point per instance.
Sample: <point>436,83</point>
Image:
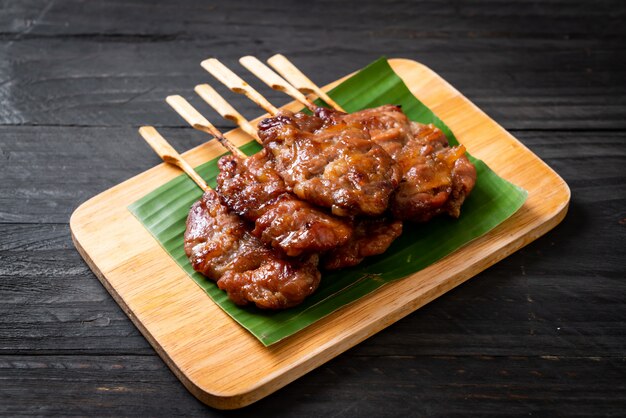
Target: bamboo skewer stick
<point>300,81</point>
<point>221,106</point>
<point>199,122</point>
<point>276,82</point>
<point>236,84</point>
<point>169,155</point>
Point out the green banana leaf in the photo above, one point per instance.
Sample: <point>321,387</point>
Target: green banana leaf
<point>164,211</point>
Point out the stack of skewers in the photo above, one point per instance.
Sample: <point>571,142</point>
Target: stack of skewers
<point>327,190</point>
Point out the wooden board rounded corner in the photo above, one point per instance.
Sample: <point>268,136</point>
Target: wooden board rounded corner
<point>253,371</point>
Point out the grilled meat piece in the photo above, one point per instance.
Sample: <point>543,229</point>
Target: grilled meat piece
<point>372,236</point>
<point>387,125</point>
<point>330,163</point>
<point>254,190</point>
<point>220,247</point>
<point>436,178</point>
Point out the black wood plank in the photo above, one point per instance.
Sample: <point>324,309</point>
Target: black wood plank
<point>144,19</point>
<point>92,386</point>
<point>393,386</point>
<point>530,83</point>
<point>51,301</point>
<point>48,172</point>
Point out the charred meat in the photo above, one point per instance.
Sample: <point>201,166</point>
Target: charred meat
<point>254,190</point>
<point>220,247</point>
<point>436,178</point>
<point>372,236</point>
<point>331,163</point>
<point>373,169</point>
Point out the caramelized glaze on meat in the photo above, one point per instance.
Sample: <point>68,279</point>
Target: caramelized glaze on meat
<point>387,125</point>
<point>436,178</point>
<point>363,163</point>
<point>330,163</point>
<point>220,247</point>
<point>372,236</point>
<point>253,189</point>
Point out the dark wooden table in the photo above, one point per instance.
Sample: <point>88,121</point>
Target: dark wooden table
<point>542,331</point>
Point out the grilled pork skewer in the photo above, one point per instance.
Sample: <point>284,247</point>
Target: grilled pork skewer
<point>251,188</point>
<point>436,178</point>
<point>220,247</point>
<point>371,236</point>
<point>332,166</point>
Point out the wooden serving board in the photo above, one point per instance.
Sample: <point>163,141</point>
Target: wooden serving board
<point>218,360</point>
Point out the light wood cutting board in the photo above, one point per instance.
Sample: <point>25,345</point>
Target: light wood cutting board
<point>219,361</point>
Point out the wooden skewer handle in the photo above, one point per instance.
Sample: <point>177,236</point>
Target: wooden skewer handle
<point>276,82</point>
<point>236,84</point>
<point>199,122</point>
<point>291,73</point>
<point>300,81</point>
<point>221,106</point>
<point>189,113</point>
<point>169,154</point>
